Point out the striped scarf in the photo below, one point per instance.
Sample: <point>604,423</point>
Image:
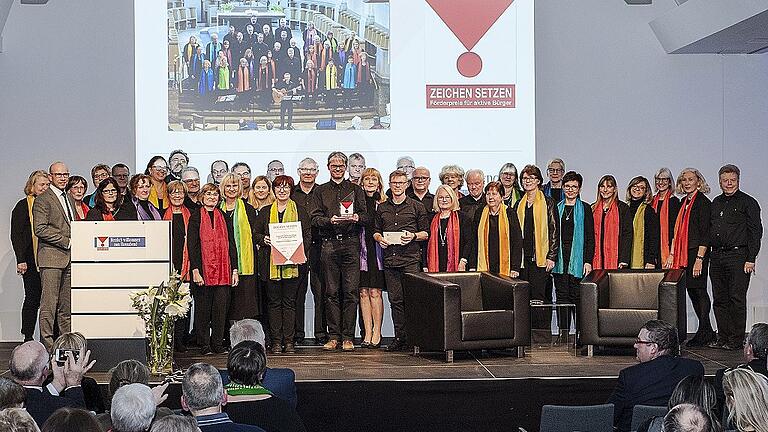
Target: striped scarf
<point>243,237</point>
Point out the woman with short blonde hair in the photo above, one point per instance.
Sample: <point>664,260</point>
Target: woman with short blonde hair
<point>371,263</point>
<point>91,392</point>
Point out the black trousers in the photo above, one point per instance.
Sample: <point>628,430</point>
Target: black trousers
<point>211,315</point>
<point>281,308</point>
<point>393,277</point>
<point>729,293</point>
<point>538,279</point>
<point>567,289</point>
<point>697,291</point>
<point>33,288</point>
<point>286,109</point>
<point>312,273</point>
<point>341,266</point>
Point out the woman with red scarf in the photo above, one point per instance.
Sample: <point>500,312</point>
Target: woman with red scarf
<point>179,216</point>
<point>213,260</point>
<point>613,227</point>
<point>450,249</point>
<point>690,246</point>
<point>666,205</point>
<point>309,82</point>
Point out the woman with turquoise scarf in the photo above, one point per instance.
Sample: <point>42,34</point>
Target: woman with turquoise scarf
<point>577,246</point>
<point>282,280</point>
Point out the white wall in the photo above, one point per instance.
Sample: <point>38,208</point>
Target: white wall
<point>608,100</point>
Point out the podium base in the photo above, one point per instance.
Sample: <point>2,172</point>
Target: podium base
<point>109,352</point>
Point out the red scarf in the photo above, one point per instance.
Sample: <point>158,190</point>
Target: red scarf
<point>326,54</point>
<point>214,245</point>
<point>107,216</point>
<point>265,77</point>
<point>452,235</point>
<point>312,56</point>
<point>243,79</point>
<point>84,207</point>
<point>361,76</point>
<point>611,240</point>
<point>680,242</point>
<point>185,214</point>
<point>664,218</point>
<point>311,80</point>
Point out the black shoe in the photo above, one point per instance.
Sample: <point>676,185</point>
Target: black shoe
<point>290,348</point>
<point>298,340</point>
<point>180,348</point>
<point>220,350</point>
<point>365,344</point>
<point>397,344</point>
<point>206,350</point>
<point>717,344</point>
<point>374,346</point>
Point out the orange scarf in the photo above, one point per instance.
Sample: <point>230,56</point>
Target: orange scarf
<point>452,234</point>
<point>680,241</point>
<point>243,79</point>
<point>185,214</point>
<point>606,249</point>
<point>664,218</point>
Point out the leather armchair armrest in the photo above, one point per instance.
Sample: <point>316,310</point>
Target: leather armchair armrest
<point>432,312</point>
<point>498,291</point>
<point>672,301</point>
<point>589,303</point>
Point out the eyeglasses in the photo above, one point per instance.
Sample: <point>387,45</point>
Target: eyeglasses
<point>211,194</point>
<point>397,183</point>
<point>109,191</point>
<point>273,170</point>
<point>308,170</point>
<point>555,170</point>
<point>406,167</point>
<point>337,167</point>
<point>529,179</point>
<point>639,341</point>
<point>570,187</point>
<point>508,174</point>
<point>160,167</point>
<point>244,174</point>
<point>61,174</point>
<point>420,178</point>
<point>284,187</point>
<point>445,198</point>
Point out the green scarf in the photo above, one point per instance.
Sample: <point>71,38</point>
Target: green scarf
<point>234,389</point>
<point>243,237</point>
<point>638,238</point>
<point>288,271</point>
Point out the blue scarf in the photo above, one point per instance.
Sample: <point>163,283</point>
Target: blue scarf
<point>350,76</point>
<point>206,83</point>
<point>576,265</point>
<point>213,51</point>
<point>196,64</point>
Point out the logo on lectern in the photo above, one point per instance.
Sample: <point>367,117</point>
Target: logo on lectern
<point>105,243</point>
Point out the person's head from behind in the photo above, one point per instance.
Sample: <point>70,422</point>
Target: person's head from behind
<point>202,390</point>
<point>687,418</point>
<point>127,372</point>
<point>29,364</point>
<point>175,423</point>
<point>133,408</point>
<point>70,341</point>
<point>656,338</point>
<point>71,420</point>
<point>246,363</point>
<point>695,390</point>
<point>12,395</point>
<point>756,346</point>
<point>17,420</point>
<point>246,329</point>
<point>746,396</point>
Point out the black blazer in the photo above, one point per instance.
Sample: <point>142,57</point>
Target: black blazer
<point>651,234</point>
<point>261,230</point>
<point>21,234</point>
<point>41,404</point>
<point>698,223</point>
<point>193,241</point>
<point>649,383</point>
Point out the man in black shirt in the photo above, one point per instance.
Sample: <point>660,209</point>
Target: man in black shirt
<point>288,88</point>
<point>735,234</point>
<point>419,191</point>
<point>340,249</point>
<point>302,195</point>
<point>407,216</point>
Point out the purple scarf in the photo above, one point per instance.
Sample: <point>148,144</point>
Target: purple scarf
<point>364,253</point>
<point>143,215</point>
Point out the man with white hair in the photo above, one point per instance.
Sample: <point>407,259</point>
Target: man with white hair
<point>29,368</point>
<point>475,180</point>
<point>280,381</point>
<point>203,395</point>
<point>133,408</point>
<point>356,167</point>
<point>407,165</point>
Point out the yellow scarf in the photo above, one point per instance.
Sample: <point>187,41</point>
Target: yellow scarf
<point>288,271</point>
<point>243,237</point>
<point>331,78</point>
<point>638,238</point>
<point>155,197</point>
<point>30,201</point>
<point>482,241</point>
<point>540,226</point>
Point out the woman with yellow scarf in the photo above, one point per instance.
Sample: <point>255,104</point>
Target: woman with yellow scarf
<point>645,225</point>
<point>157,169</point>
<point>541,239</point>
<point>24,243</point>
<point>245,299</point>
<point>499,244</point>
<point>282,280</point>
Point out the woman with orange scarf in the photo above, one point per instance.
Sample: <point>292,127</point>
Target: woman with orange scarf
<point>499,241</point>
<point>645,225</point>
<point>213,261</point>
<point>666,205</point>
<point>541,240</point>
<point>690,248</point>
<point>24,244</point>
<point>450,249</point>
<point>179,216</point>
<point>613,227</point>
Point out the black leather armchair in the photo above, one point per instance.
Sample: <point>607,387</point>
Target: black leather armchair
<point>466,311</point>
<point>616,303</point>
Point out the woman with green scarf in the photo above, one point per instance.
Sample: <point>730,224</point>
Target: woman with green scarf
<point>282,280</point>
<point>245,301</point>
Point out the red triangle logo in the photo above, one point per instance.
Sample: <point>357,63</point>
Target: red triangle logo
<point>469,22</point>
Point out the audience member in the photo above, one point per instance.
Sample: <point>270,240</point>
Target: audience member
<point>12,395</point>
<point>688,418</point>
<point>746,397</point>
<point>203,395</point>
<point>651,382</point>
<point>175,423</point>
<point>755,353</point>
<point>91,392</point>
<point>131,372</point>
<point>694,390</point>
<point>17,420</point>
<point>134,407</point>
<point>29,368</point>
<point>72,420</point>
<point>248,402</point>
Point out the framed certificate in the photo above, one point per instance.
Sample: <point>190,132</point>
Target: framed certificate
<point>393,237</point>
<point>287,243</point>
